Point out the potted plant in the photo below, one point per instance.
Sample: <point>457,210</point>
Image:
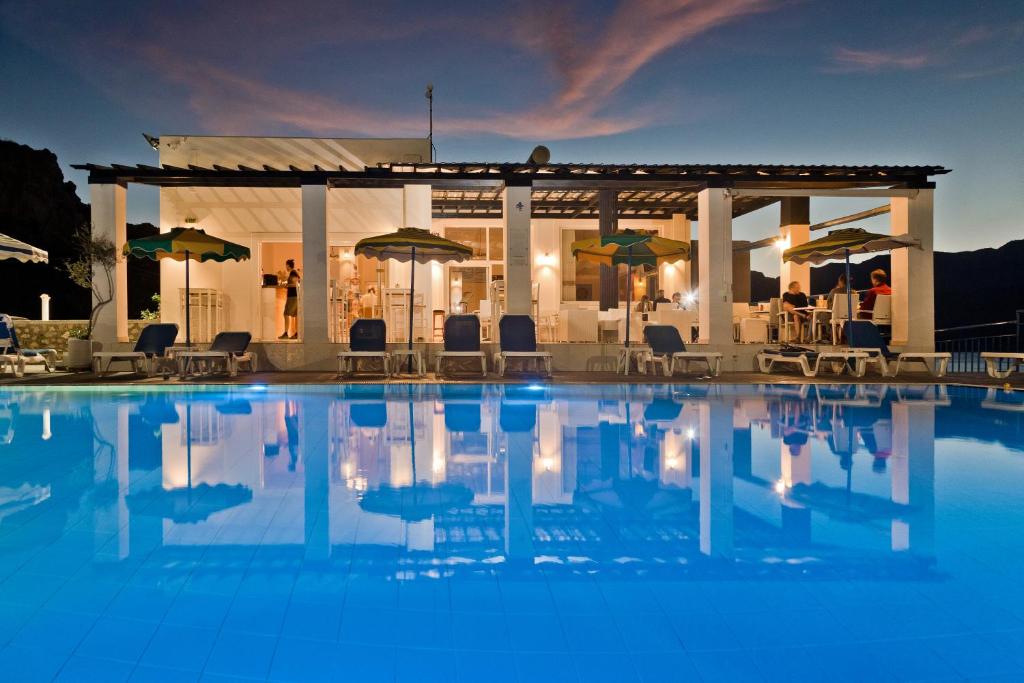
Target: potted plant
<point>95,264</point>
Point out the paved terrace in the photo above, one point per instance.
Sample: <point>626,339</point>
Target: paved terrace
<point>61,378</point>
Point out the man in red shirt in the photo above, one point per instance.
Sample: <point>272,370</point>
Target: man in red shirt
<point>879,285</point>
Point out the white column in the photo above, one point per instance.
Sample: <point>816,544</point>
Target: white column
<point>913,273</point>
<point>109,215</point>
<point>516,210</point>
<point>714,297</point>
<point>313,321</point>
<point>912,473</point>
<point>795,228</point>
<point>675,277</point>
<point>716,486</point>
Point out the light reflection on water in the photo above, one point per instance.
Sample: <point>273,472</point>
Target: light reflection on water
<point>642,528</point>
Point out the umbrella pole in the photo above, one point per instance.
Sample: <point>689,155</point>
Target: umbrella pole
<point>629,295</point>
<point>849,302</point>
<point>412,305</point>
<point>188,307</point>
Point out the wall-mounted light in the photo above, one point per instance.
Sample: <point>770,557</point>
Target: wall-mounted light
<point>547,259</point>
<point>346,255</point>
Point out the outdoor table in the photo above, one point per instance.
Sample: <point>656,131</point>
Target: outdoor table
<point>400,358</point>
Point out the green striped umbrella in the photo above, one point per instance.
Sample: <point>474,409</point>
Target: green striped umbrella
<point>186,244</point>
<point>840,244</point>
<point>632,249</point>
<point>11,248</point>
<point>413,245</point>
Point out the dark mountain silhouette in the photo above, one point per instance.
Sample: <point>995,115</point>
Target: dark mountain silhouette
<point>38,206</point>
<point>971,287</point>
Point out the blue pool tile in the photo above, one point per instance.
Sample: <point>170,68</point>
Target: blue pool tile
<point>977,655</point>
<point>722,666</point>
<point>424,666</point>
<point>117,638</point>
<point>246,655</point>
<point>658,667</point>
<point>369,626</point>
<point>605,667</point>
<point>592,633</point>
<point>648,633</point>
<point>703,631</point>
<point>258,615</point>
<point>179,647</point>
<point>155,674</point>
<point>298,660</point>
<point>29,664</point>
<point>147,604</point>
<point>81,669</point>
<point>314,621</point>
<point>542,666</point>
<point>526,597</point>
<point>198,610</point>
<point>85,596</point>
<point>58,632</point>
<point>473,666</point>
<point>424,629</point>
<point>536,633</point>
<point>480,631</point>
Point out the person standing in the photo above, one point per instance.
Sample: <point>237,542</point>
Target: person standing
<point>291,302</point>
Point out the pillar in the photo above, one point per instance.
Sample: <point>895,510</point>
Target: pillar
<point>912,473</point>
<point>714,296</point>
<point>716,486</point>
<point>608,224</point>
<point>913,273</point>
<point>795,228</point>
<point>417,212</point>
<point>314,417</point>
<point>519,496</point>
<point>675,277</point>
<point>516,210</point>
<point>109,215</point>
<point>313,320</point>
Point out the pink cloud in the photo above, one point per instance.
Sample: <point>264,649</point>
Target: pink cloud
<point>846,60</point>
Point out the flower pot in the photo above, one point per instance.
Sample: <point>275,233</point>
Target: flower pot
<point>79,353</point>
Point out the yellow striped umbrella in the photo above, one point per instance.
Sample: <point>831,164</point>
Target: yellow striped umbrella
<point>415,245</point>
<point>186,244</point>
<point>632,249</point>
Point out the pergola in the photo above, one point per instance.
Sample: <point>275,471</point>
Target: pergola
<point>712,194</point>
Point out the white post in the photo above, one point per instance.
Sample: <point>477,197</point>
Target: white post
<point>912,472</point>
<point>913,273</point>
<point>675,277</point>
<point>714,297</point>
<point>417,212</point>
<point>109,215</point>
<point>44,313</point>
<point>716,486</point>
<point>313,322</point>
<point>795,229</point>
<point>516,210</point>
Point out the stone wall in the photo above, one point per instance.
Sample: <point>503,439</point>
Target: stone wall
<point>49,334</point>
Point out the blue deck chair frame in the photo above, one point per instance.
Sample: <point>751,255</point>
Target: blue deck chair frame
<point>147,355</point>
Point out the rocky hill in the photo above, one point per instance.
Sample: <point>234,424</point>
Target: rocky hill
<point>39,206</point>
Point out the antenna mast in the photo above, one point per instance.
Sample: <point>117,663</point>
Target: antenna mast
<point>430,113</point>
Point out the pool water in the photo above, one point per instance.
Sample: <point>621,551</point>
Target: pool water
<point>500,533</point>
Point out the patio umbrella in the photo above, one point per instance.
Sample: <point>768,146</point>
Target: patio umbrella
<point>11,248</point>
<point>840,244</point>
<point>633,249</point>
<point>412,245</point>
<point>186,244</point>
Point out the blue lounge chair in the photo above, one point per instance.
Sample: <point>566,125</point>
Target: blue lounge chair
<point>867,338</point>
<point>15,357</point>
<point>667,348</point>
<point>228,348</point>
<point>149,351</point>
<point>462,340</point>
<point>517,337</point>
<point>367,340</point>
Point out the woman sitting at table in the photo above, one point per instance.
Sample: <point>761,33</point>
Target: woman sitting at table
<point>792,301</point>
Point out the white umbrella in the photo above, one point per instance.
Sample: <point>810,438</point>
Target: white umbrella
<point>11,248</point>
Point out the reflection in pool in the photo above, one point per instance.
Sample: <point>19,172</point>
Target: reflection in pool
<point>462,532</point>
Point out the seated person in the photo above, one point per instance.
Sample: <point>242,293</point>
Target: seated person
<point>659,298</point>
<point>677,301</point>
<point>644,305</point>
<point>879,285</point>
<point>792,300</point>
<point>839,289</point>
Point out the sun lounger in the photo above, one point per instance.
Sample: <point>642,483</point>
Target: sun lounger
<point>810,362</point>
<point>866,337</point>
<point>667,348</point>
<point>1002,365</point>
<point>229,349</point>
<point>462,340</point>
<point>148,354</point>
<point>19,357</point>
<point>367,341</point>
<point>518,339</point>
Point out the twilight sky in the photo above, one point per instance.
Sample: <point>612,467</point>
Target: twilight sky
<point>745,81</point>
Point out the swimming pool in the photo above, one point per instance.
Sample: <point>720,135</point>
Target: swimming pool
<point>499,533</point>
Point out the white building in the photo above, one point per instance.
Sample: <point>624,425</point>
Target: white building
<point>312,199</point>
